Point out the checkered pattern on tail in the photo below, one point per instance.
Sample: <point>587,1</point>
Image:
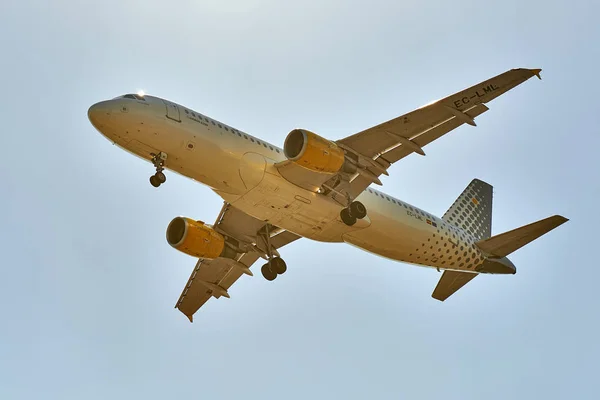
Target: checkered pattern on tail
<point>472,211</point>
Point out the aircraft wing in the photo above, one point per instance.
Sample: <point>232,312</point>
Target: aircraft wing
<point>377,148</point>
<point>213,278</point>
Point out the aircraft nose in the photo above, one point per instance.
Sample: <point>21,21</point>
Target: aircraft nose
<point>99,113</point>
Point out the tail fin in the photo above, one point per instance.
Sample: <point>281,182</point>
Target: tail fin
<point>472,211</point>
<point>505,243</point>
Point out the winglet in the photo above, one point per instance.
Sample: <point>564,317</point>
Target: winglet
<point>536,72</point>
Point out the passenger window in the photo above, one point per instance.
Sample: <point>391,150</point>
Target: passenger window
<point>226,129</point>
<point>220,126</point>
<point>271,147</point>
<point>252,140</point>
<point>245,137</point>
<point>239,134</point>
<point>265,145</point>
<point>277,150</point>
<point>213,122</point>
<point>186,111</point>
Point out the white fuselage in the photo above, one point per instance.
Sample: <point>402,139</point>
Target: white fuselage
<point>240,169</point>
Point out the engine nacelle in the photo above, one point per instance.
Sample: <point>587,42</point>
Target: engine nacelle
<point>194,238</point>
<point>313,152</point>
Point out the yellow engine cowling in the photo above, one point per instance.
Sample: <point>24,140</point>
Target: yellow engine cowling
<point>313,152</point>
<point>194,238</point>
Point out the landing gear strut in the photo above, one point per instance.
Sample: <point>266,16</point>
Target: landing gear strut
<point>275,266</point>
<point>158,160</point>
<point>355,211</point>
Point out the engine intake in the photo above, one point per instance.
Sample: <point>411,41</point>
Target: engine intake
<point>313,152</point>
<point>195,238</point>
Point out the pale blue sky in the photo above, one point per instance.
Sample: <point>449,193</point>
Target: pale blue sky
<point>89,283</point>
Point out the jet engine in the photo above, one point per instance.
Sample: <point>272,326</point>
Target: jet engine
<point>195,238</point>
<point>313,152</point>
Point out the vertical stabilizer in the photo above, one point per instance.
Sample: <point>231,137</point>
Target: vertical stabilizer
<point>472,211</point>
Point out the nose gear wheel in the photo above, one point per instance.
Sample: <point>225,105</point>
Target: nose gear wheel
<point>158,160</point>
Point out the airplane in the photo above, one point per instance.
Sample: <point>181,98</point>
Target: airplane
<point>315,188</point>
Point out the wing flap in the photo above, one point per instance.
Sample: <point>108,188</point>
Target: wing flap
<point>218,272</point>
<point>450,282</point>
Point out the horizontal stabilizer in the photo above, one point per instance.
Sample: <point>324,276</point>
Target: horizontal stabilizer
<point>450,282</point>
<point>505,243</point>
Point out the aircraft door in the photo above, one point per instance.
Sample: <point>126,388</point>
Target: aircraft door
<point>172,111</point>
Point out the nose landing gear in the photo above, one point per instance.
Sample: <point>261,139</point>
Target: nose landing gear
<point>158,160</point>
<point>355,211</point>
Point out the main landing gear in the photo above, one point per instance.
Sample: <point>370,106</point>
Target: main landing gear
<point>355,211</point>
<point>159,163</point>
<point>275,266</point>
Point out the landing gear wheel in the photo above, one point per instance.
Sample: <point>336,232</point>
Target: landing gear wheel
<point>277,265</point>
<point>160,177</point>
<point>158,160</point>
<point>154,182</point>
<point>267,273</point>
<point>358,209</point>
<point>347,218</point>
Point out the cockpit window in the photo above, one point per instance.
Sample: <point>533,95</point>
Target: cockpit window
<point>134,97</point>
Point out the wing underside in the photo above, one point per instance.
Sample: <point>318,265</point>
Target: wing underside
<point>375,149</point>
<point>213,278</point>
